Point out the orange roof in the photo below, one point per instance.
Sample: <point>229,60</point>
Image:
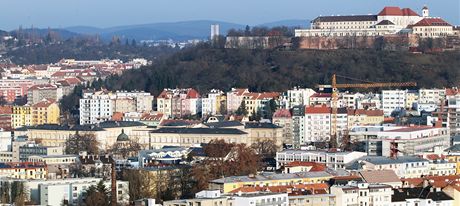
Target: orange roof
<point>432,22</point>
<point>192,93</point>
<point>315,166</point>
<point>317,110</point>
<point>282,113</point>
<point>451,91</point>
<point>117,116</point>
<point>374,112</point>
<point>6,109</point>
<point>150,117</point>
<point>44,103</point>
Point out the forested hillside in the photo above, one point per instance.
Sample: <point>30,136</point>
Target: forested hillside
<point>263,70</point>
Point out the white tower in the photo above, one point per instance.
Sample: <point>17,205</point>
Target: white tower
<point>425,12</point>
<point>214,31</point>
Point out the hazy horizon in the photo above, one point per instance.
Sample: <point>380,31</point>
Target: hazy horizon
<point>109,13</point>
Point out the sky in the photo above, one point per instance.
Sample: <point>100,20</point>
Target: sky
<point>108,13</point>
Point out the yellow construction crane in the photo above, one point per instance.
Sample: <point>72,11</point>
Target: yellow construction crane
<point>335,96</point>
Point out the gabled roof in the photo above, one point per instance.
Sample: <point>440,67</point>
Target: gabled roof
<point>385,22</point>
<point>317,110</point>
<point>44,103</point>
<point>396,11</point>
<point>380,176</point>
<point>432,22</point>
<point>282,113</point>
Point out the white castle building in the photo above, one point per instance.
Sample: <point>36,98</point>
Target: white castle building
<point>391,20</point>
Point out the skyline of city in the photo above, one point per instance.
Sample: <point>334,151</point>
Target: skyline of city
<point>58,14</point>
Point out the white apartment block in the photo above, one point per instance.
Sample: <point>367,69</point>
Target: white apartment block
<point>298,96</point>
<point>350,100</point>
<point>369,101</point>
<point>431,96</point>
<point>333,160</point>
<point>211,104</point>
<point>99,106</point>
<point>393,100</point>
<point>317,123</point>
<point>96,107</point>
<point>414,140</point>
<point>234,99</point>
<point>362,194</point>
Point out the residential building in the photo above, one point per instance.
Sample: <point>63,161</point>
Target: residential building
<point>179,102</point>
<point>23,170</point>
<point>298,96</point>
<point>298,126</point>
<point>404,166</point>
<point>6,114</point>
<point>28,150</point>
<point>321,99</point>
<point>213,103</point>
<point>95,107</point>
<point>235,98</point>
<point>269,199</point>
<point>203,198</point>
<point>359,117</point>
<point>333,160</point>
<point>258,131</point>
<point>393,100</point>
<point>432,27</point>
<point>22,116</point>
<point>317,123</point>
<point>283,119</point>
<point>386,177</point>
<point>45,112</point>
<point>37,93</point>
<point>355,193</point>
<point>420,196</point>
<point>227,184</point>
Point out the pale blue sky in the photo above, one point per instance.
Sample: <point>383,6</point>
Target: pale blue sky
<point>106,13</point>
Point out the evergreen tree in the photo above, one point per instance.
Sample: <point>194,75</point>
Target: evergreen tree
<point>242,109</point>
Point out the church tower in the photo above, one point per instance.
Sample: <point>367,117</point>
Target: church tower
<point>425,12</point>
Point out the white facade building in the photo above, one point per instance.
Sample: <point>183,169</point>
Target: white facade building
<point>266,199</point>
<point>298,96</point>
<point>331,159</point>
<point>362,194</point>
<point>393,100</point>
<point>96,107</point>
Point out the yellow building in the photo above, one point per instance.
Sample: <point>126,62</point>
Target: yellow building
<point>23,170</point>
<point>456,159</point>
<point>45,112</point>
<point>361,117</point>
<point>22,116</point>
<point>453,190</point>
<point>228,184</point>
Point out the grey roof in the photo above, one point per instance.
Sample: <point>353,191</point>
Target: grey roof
<point>400,195</point>
<point>346,18</point>
<point>267,176</point>
<point>86,127</point>
<point>456,138</point>
<point>122,137</point>
<point>385,22</point>
<point>380,160</point>
<point>223,124</point>
<point>253,125</point>
<point>199,131</point>
<point>169,149</point>
<point>454,148</point>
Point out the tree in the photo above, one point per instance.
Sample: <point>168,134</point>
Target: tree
<point>85,142</point>
<point>247,30</point>
<point>270,108</point>
<point>97,195</point>
<point>242,109</point>
<point>265,148</point>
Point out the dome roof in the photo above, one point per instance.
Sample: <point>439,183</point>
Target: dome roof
<point>122,136</point>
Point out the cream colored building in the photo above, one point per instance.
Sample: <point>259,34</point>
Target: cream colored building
<point>432,28</point>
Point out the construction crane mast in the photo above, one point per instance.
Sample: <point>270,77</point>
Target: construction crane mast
<point>335,94</point>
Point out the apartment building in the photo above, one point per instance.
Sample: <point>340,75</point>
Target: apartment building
<point>393,100</point>
<point>333,160</point>
<point>298,96</point>
<point>283,119</point>
<point>298,126</point>
<point>213,103</point>
<point>355,193</point>
<point>235,98</point>
<point>404,166</point>
<point>317,123</point>
<point>96,107</point>
<point>37,93</point>
<point>179,102</point>
<point>23,170</point>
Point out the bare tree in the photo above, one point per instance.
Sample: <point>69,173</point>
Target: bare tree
<point>77,143</point>
<point>265,148</point>
<point>126,149</point>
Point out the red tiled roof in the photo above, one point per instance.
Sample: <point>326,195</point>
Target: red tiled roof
<point>192,93</point>
<point>324,95</point>
<point>432,22</point>
<point>150,117</point>
<point>316,167</point>
<point>45,103</point>
<point>282,113</point>
<point>42,86</point>
<point>452,91</point>
<point>317,110</point>
<point>6,109</point>
<point>396,11</point>
<point>117,116</point>
<point>365,112</point>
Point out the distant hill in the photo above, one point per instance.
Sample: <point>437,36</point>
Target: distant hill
<point>64,34</point>
<point>184,30</point>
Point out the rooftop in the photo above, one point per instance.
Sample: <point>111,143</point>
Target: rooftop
<point>271,176</point>
<point>199,131</point>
